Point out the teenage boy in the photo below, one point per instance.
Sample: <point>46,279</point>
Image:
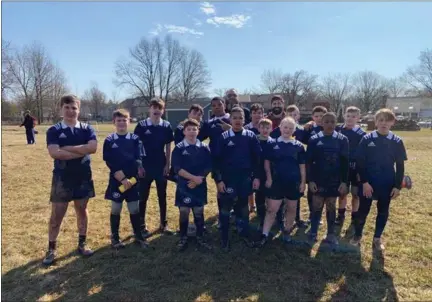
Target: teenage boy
<point>354,133</point>
<point>156,136</point>
<point>122,153</point>
<point>196,113</point>
<point>191,161</point>
<point>236,163</point>
<point>327,164</point>
<point>70,144</point>
<point>377,155</point>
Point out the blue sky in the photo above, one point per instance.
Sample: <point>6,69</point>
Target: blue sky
<point>239,40</point>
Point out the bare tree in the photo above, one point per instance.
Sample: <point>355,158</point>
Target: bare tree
<point>335,89</point>
<point>396,87</point>
<point>420,76</point>
<point>58,89</point>
<point>298,86</point>
<point>7,79</point>
<point>370,90</point>
<point>194,75</point>
<point>220,91</point>
<point>96,99</point>
<point>272,81</point>
<point>172,61</point>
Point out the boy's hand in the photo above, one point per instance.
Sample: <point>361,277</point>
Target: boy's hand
<point>313,187</point>
<point>166,170</point>
<point>268,183</point>
<point>225,126</point>
<point>367,190</point>
<point>127,184</point>
<point>308,125</point>
<point>141,172</point>
<point>394,193</point>
<point>191,185</point>
<point>343,189</point>
<point>198,180</point>
<point>302,187</point>
<point>256,184</point>
<point>221,187</point>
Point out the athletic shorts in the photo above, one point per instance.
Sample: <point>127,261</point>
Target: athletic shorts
<point>190,198</point>
<point>237,188</point>
<point>285,190</point>
<point>113,193</point>
<point>68,188</point>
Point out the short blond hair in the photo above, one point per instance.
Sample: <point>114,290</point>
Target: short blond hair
<point>386,113</point>
<point>286,120</point>
<point>292,108</point>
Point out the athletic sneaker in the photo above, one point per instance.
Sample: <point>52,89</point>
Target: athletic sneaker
<point>202,243</point>
<point>84,250</point>
<point>145,233</point>
<point>339,220</point>
<point>262,242</point>
<point>355,241</point>
<point>331,239</point>
<point>182,244</point>
<point>116,243</point>
<point>49,257</point>
<point>301,224</point>
<point>143,244</point>
<point>378,245</point>
<point>165,230</point>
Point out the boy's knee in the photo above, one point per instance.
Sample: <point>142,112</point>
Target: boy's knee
<point>116,208</point>
<point>133,207</point>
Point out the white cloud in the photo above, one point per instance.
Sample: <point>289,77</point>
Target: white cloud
<point>156,31</point>
<point>197,22</point>
<point>208,8</point>
<point>237,21</point>
<point>182,30</point>
<point>174,29</point>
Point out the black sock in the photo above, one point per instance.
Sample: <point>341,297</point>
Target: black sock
<point>341,212</point>
<point>353,216</point>
<point>136,225</point>
<point>81,239</point>
<point>184,224</point>
<point>52,245</point>
<point>115,225</point>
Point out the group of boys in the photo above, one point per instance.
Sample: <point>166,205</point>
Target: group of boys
<point>243,159</point>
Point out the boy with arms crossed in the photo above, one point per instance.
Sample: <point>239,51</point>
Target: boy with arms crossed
<point>122,154</point>
<point>376,157</point>
<point>191,161</point>
<point>70,144</point>
<point>327,164</point>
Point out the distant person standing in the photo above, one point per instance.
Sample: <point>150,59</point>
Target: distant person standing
<point>29,124</point>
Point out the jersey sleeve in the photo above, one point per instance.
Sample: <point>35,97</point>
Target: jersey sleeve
<point>217,150</point>
<point>91,133</point>
<point>207,160</point>
<point>302,156</point>
<point>344,159</point>
<point>309,160</point>
<point>204,131</point>
<point>176,161</point>
<point>52,136</point>
<point>169,135</point>
<point>178,135</point>
<point>137,130</point>
<point>110,158</point>
<point>401,152</point>
<point>256,155</point>
<point>360,159</point>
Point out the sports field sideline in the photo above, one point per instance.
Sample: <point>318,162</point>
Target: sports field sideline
<point>276,273</point>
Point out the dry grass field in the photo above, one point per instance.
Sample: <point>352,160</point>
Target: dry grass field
<point>276,273</point>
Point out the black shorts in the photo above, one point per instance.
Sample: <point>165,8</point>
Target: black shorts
<point>285,190</point>
<point>113,193</point>
<point>72,188</point>
<point>352,178</point>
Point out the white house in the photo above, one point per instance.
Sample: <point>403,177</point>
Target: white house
<point>414,107</point>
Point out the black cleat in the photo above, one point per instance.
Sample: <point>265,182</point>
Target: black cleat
<point>182,244</point>
<point>225,246</point>
<point>49,257</point>
<point>203,244</point>
<point>84,250</point>
<point>262,242</point>
<point>116,243</point>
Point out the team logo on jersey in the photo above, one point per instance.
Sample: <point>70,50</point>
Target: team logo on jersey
<point>371,144</point>
<point>187,200</point>
<point>114,146</point>
<point>213,126</point>
<point>185,152</point>
<point>62,135</point>
<point>116,194</point>
<point>147,132</point>
<point>231,143</point>
<point>229,190</point>
<point>320,143</point>
<point>276,147</point>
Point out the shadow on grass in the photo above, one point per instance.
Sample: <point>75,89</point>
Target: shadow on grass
<point>275,273</point>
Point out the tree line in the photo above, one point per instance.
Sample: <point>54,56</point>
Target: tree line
<point>31,80</point>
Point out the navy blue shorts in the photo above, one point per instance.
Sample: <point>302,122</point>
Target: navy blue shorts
<point>112,193</point>
<point>237,188</point>
<point>191,198</point>
<point>352,178</point>
<point>285,190</point>
<point>70,187</point>
<point>328,191</point>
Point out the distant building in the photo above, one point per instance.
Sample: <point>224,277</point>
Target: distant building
<point>413,107</point>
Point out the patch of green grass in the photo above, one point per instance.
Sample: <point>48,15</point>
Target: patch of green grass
<point>276,273</point>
